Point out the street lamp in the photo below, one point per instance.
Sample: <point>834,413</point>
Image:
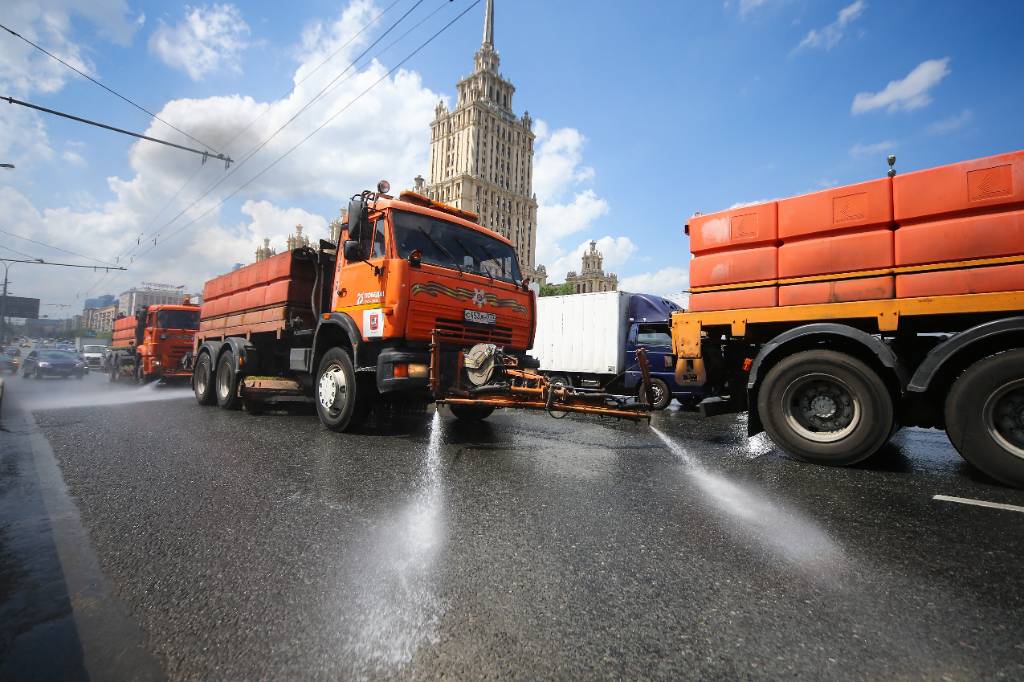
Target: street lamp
<point>7,165</point>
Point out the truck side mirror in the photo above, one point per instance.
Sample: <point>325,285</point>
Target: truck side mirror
<point>353,251</point>
<point>357,218</point>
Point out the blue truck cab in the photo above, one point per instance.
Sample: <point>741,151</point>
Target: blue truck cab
<point>650,328</point>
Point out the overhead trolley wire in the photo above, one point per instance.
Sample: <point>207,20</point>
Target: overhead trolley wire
<point>204,153</point>
<point>169,202</point>
<point>318,128</point>
<point>56,248</point>
<point>262,144</point>
<point>108,89</point>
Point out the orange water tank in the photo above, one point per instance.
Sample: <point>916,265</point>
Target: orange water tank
<point>962,281</point>
<point>981,236</point>
<point>731,300</point>
<point>967,186</point>
<point>841,291</point>
<point>860,206</point>
<point>735,228</point>
<point>734,267</point>
<point>837,253</point>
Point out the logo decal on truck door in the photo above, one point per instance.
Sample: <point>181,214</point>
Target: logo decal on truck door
<point>373,323</point>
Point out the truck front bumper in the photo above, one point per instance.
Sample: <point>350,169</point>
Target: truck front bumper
<point>403,370</point>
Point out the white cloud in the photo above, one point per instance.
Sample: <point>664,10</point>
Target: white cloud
<point>860,151</point>
<point>73,157</point>
<point>951,124</point>
<point>746,6</point>
<point>616,251</point>
<point>349,154</point>
<point>208,39</point>
<point>268,220</point>
<point>830,35</point>
<point>907,94</point>
<point>562,220</point>
<point>670,280</point>
<point>558,162</point>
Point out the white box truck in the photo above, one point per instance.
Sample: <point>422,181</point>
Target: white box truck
<point>590,341</point>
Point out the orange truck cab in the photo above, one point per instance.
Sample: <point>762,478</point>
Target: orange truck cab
<point>346,324</point>
<point>152,344</point>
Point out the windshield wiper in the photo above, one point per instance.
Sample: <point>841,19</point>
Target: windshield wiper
<point>469,253</point>
<point>440,246</point>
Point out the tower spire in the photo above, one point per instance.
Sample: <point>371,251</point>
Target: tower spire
<point>489,24</point>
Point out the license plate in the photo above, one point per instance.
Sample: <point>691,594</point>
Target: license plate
<point>480,317</point>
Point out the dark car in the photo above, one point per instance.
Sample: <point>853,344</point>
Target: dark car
<point>54,363</point>
<point>9,360</point>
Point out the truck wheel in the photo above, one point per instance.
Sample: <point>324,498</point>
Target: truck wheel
<point>825,407</point>
<point>339,402</point>
<point>202,380</point>
<point>660,395</point>
<point>227,383</point>
<point>471,413</point>
<point>559,380</point>
<point>985,416</point>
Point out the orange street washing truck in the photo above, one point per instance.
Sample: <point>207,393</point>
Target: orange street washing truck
<point>837,317</point>
<point>417,302</point>
<point>153,343</point>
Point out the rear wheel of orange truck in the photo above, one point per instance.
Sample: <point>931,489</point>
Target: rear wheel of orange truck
<point>985,416</point>
<point>825,407</point>
<point>339,401</point>
<point>227,382</point>
<point>202,380</point>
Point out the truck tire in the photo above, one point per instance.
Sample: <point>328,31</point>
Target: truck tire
<point>340,403</point>
<point>202,380</point>
<point>226,386</point>
<point>660,396</point>
<point>471,413</point>
<point>826,407</point>
<point>985,416</point>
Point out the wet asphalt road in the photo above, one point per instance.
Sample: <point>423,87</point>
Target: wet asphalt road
<point>202,544</point>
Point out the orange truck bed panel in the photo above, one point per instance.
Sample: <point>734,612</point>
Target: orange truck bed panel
<point>982,236</point>
<point>838,253</point>
<point>966,186</point>
<point>280,280</point>
<point>733,267</point>
<point>963,281</point>
<point>864,205</point>
<point>735,228</point>
<point>840,291</point>
<point>763,297</point>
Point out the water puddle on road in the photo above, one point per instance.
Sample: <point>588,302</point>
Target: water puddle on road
<point>399,610</point>
<point>66,395</point>
<point>782,531</point>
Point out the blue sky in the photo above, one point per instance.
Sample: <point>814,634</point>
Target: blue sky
<point>650,111</point>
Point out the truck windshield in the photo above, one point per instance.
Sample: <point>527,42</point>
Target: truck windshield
<point>177,319</point>
<point>653,335</point>
<point>453,246</point>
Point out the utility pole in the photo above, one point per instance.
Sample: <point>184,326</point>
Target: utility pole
<point>3,307</point>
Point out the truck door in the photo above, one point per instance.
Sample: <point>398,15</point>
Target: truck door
<point>655,338</point>
<point>360,284</point>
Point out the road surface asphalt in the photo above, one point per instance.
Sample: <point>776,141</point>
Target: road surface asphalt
<point>143,536</point>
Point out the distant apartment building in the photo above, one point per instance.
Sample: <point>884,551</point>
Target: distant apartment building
<point>139,297</point>
<point>100,319</point>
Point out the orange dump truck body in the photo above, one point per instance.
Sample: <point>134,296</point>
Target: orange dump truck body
<point>954,229</point>
<point>167,336</point>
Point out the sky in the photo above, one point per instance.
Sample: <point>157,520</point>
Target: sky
<point>645,112</point>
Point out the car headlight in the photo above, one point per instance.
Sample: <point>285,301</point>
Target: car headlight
<point>44,365</point>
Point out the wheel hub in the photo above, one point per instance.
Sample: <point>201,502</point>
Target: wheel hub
<point>823,407</point>
<point>332,389</point>
<point>1006,417</point>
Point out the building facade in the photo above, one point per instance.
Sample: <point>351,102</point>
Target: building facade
<point>481,154</point>
<point>297,240</point>
<point>132,300</point>
<point>100,319</point>
<point>592,276</point>
<point>266,251</point>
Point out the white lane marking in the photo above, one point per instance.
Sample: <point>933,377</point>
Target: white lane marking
<point>979,503</point>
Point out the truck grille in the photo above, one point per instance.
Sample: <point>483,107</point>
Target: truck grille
<point>457,329</point>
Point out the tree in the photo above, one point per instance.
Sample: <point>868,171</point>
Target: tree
<point>556,289</point>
